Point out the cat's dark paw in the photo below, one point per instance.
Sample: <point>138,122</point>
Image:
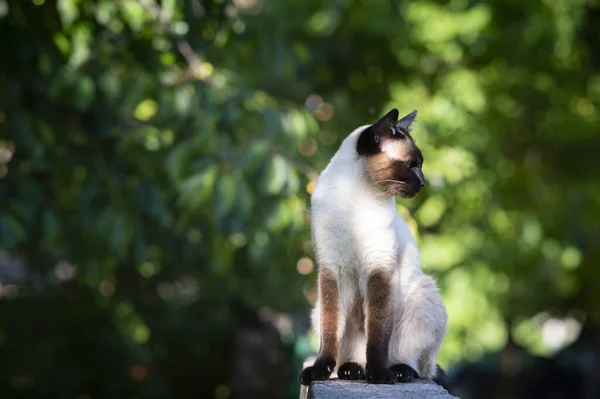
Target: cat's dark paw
<point>441,378</point>
<point>315,373</point>
<point>351,371</point>
<point>404,373</point>
<point>379,375</point>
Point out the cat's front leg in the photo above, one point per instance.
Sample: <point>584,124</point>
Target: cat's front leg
<point>329,299</point>
<point>379,325</point>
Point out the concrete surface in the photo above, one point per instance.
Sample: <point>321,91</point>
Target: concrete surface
<point>335,388</point>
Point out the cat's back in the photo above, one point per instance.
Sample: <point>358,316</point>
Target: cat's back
<point>336,187</point>
<point>331,214</point>
<point>333,203</point>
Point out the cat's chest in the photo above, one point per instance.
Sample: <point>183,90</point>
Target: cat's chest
<point>355,236</point>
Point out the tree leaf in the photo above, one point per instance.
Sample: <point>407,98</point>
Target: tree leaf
<point>196,189</point>
<point>226,194</point>
<point>275,176</point>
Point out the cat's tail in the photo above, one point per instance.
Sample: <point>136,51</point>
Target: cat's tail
<point>441,378</point>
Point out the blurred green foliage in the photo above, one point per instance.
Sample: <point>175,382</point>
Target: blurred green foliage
<point>156,159</point>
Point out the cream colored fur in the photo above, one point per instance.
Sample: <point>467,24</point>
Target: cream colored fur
<point>357,230</point>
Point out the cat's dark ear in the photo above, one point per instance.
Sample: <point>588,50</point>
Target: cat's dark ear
<point>391,116</point>
<point>388,127</point>
<point>404,123</point>
<point>368,141</point>
<point>385,125</point>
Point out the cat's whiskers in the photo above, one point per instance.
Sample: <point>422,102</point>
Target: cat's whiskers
<point>402,184</point>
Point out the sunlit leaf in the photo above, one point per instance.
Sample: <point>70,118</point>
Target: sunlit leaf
<point>67,9</point>
<point>275,176</point>
<point>81,41</point>
<point>197,188</point>
<point>4,9</point>
<point>134,14</point>
<point>146,109</point>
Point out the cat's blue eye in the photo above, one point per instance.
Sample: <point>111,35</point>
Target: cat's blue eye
<point>411,164</point>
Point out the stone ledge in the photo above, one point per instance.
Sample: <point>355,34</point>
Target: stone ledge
<point>335,388</point>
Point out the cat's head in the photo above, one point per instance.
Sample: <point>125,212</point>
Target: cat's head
<point>392,159</point>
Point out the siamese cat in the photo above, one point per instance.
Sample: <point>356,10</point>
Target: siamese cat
<point>377,315</point>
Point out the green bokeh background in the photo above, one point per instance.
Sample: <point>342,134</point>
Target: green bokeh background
<point>156,160</point>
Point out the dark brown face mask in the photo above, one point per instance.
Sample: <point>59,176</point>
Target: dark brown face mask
<point>393,159</point>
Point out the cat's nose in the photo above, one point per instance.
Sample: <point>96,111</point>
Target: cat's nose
<point>422,183</point>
